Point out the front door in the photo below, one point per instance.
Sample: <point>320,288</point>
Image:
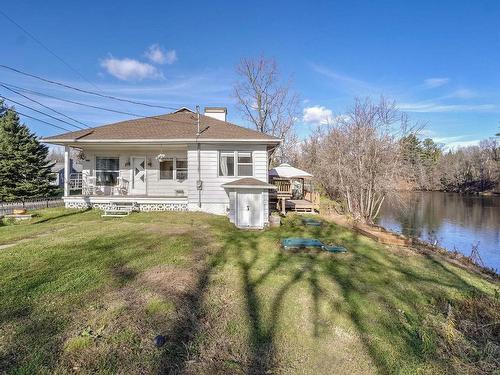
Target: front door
<point>138,175</point>
<point>250,209</point>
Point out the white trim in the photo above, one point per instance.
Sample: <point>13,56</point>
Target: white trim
<point>132,157</point>
<point>104,156</point>
<point>174,170</point>
<point>67,166</point>
<point>235,171</point>
<point>248,186</point>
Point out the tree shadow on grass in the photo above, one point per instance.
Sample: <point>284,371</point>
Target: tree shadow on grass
<point>248,255</point>
<point>66,213</point>
<point>404,294</point>
<point>384,296</point>
<point>183,332</point>
<point>35,343</point>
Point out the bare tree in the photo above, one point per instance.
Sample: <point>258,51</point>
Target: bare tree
<point>358,160</point>
<point>267,102</point>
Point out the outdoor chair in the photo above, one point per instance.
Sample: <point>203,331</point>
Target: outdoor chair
<point>121,188</point>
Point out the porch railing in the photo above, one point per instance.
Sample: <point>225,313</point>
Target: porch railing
<point>75,181</point>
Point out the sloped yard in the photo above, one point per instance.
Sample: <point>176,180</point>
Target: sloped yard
<point>82,294</point>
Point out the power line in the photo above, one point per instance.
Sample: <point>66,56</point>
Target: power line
<point>48,49</point>
<point>89,105</point>
<point>72,101</point>
<point>47,107</point>
<point>36,110</point>
<point>45,122</point>
<point>82,90</point>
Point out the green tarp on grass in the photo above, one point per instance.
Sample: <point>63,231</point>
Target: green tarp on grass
<point>304,243</point>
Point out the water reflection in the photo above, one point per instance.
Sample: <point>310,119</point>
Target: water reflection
<point>454,221</point>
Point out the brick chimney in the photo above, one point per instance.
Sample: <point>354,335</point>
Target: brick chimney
<point>218,113</point>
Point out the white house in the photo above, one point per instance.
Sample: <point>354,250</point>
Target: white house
<point>179,161</point>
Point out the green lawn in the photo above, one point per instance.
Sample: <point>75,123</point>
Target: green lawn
<point>82,294</point>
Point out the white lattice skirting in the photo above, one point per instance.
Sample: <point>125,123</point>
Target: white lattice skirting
<point>137,206</point>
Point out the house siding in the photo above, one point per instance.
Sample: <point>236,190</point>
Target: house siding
<point>214,198</point>
<point>154,186</point>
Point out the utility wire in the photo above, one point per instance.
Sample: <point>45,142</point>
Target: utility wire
<point>36,110</point>
<point>82,90</point>
<point>47,49</point>
<point>89,105</point>
<point>47,107</point>
<point>45,122</point>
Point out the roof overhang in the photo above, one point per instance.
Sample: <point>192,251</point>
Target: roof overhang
<point>155,141</point>
<point>248,183</point>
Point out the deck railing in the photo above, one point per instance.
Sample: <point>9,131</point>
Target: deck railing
<point>283,187</point>
<point>313,197</point>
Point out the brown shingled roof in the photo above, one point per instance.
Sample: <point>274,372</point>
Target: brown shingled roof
<point>180,125</point>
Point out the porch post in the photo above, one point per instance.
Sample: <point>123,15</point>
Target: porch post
<point>66,170</point>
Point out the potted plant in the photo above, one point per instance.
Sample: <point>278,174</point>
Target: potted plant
<point>162,157</point>
<point>275,219</point>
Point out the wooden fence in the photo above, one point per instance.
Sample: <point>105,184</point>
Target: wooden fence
<point>6,208</point>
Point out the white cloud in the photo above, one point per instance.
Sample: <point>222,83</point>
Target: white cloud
<point>130,70</point>
<point>171,56</point>
<point>436,82</point>
<point>158,55</point>
<point>455,142</point>
<point>427,107</point>
<point>462,94</point>
<point>347,83</point>
<point>317,115</point>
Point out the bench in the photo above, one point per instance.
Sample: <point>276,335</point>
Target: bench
<point>119,209</point>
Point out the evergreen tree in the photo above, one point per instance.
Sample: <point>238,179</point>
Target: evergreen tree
<point>24,171</point>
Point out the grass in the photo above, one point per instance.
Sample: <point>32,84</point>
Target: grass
<point>79,293</point>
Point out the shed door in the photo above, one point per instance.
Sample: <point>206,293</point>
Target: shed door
<point>250,209</point>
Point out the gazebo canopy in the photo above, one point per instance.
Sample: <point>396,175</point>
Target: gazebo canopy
<point>287,171</point>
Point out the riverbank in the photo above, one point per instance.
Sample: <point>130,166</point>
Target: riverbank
<point>390,238</point>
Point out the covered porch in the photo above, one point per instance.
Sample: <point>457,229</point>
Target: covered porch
<point>146,178</point>
<point>294,189</point>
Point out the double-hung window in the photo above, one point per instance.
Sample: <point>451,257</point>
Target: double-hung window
<point>226,164</point>
<point>107,170</point>
<point>245,165</point>
<point>174,169</point>
<point>235,163</point>
<point>181,169</point>
<point>167,169</point>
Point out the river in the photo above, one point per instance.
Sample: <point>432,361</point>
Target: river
<point>454,221</point>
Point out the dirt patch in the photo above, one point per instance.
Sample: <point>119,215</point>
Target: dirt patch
<point>175,230</point>
<point>168,280</point>
<point>168,230</point>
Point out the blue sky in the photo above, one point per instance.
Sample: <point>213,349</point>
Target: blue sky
<point>440,60</point>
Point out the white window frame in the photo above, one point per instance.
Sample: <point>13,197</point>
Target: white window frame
<point>174,170</point>
<point>236,163</point>
<point>180,169</point>
<point>106,170</point>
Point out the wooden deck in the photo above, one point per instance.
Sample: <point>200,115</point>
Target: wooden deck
<point>299,205</point>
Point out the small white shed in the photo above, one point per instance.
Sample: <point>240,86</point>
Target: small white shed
<point>248,202</point>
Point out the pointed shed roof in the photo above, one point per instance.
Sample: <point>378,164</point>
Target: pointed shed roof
<point>287,171</point>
